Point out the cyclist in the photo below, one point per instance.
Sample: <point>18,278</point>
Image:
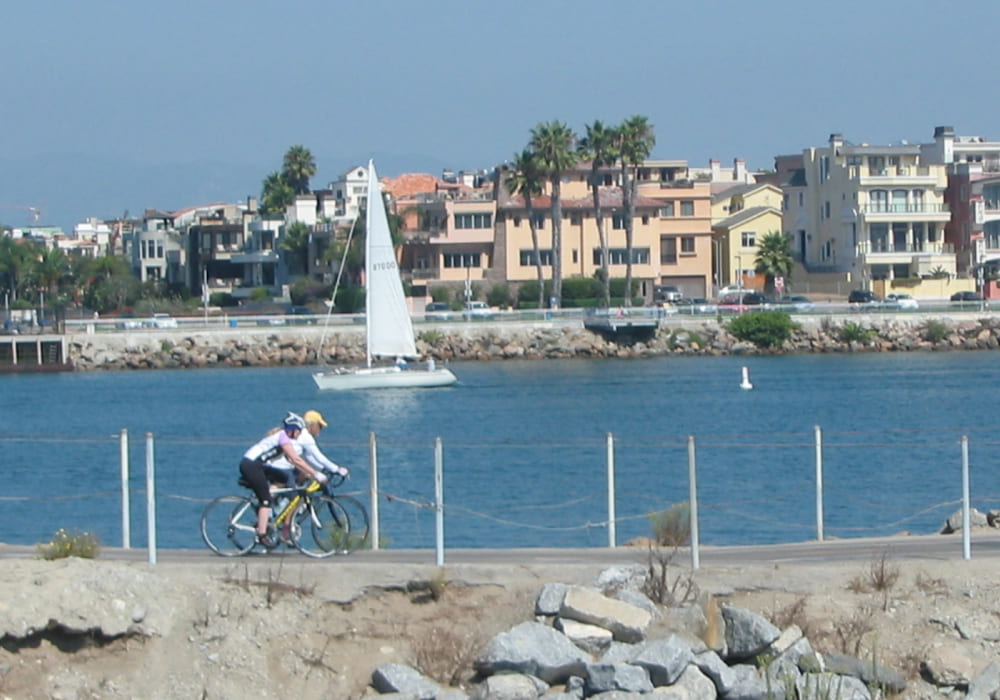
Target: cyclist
<point>310,450</point>
<point>264,462</point>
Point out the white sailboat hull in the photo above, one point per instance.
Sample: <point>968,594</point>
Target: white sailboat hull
<point>348,378</point>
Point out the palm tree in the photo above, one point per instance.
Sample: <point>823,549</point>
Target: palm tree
<point>599,146</point>
<point>17,260</point>
<point>525,178</point>
<point>554,144</point>
<point>296,241</point>
<point>51,270</point>
<point>299,166</point>
<point>276,194</point>
<point>774,258</point>
<point>635,142</point>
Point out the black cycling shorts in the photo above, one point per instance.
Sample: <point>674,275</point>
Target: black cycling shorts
<point>260,476</point>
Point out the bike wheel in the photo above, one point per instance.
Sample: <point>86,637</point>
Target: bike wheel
<point>229,525</point>
<point>357,516</point>
<point>324,528</point>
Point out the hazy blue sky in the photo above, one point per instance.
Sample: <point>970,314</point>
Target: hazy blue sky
<point>112,105</point>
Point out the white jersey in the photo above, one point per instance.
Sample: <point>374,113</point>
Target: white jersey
<point>271,450</point>
<point>311,453</point>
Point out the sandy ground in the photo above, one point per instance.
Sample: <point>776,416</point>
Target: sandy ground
<point>275,627</point>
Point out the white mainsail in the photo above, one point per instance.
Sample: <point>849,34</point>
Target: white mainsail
<point>387,318</point>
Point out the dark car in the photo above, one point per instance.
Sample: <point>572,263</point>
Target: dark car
<point>747,301</point>
<point>862,296</point>
<point>966,296</point>
<point>438,311</point>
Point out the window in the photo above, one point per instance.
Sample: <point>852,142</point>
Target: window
<point>748,239</point>
<point>619,256</point>
<point>645,219</point>
<point>879,200</point>
<point>668,251</point>
<point>517,221</point>
<point>472,220</point>
<point>618,222</point>
<point>899,200</point>
<point>687,245</point>
<point>159,249</point>
<point>462,260</point>
<point>826,209</point>
<point>527,257</point>
<point>539,221</point>
<point>667,210</point>
<point>687,207</point>
<point>575,219</point>
<point>800,199</point>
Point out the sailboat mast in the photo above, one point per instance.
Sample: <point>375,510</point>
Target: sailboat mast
<point>373,192</point>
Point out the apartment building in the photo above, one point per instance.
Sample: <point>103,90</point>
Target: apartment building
<point>741,215</point>
<point>871,212</point>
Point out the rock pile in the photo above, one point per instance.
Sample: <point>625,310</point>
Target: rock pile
<point>612,642</point>
<point>300,346</point>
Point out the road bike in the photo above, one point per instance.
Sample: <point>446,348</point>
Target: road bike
<point>311,518</point>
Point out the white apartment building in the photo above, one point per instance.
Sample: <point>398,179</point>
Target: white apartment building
<point>870,212</point>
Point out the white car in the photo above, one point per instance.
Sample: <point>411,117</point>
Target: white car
<point>902,301</point>
<point>477,309</point>
<point>161,321</point>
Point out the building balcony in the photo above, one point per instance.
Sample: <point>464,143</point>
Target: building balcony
<point>895,175</point>
<point>926,212</point>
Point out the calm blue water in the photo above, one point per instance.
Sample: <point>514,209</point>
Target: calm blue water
<point>524,446</point>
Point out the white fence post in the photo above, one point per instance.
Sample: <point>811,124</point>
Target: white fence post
<point>439,501</point>
<point>126,496</point>
<point>693,505</point>
<point>150,498</point>
<point>373,487</point>
<point>966,544</point>
<point>612,534</point>
<point>819,482</point>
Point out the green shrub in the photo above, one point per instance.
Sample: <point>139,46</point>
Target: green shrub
<point>934,330</point>
<point>223,299</point>
<point>499,295</point>
<point>852,332</point>
<point>431,337</point>
<point>260,294</point>
<point>765,329</point>
<point>65,544</point>
<point>672,527</point>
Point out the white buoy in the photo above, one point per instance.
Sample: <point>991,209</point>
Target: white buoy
<point>745,384</point>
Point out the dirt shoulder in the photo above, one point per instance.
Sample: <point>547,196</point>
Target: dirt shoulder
<point>277,627</point>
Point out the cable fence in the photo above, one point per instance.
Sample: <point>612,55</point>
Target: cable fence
<point>750,488</point>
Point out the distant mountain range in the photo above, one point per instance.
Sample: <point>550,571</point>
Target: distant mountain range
<point>68,188</point>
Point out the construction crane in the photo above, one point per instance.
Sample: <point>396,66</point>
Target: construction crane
<point>36,213</point>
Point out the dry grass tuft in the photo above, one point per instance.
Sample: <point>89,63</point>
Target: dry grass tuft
<point>661,586</point>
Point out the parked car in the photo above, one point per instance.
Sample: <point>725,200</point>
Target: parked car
<point>127,322</point>
<point>902,301</point>
<point>966,296</point>
<point>438,311</point>
<point>477,310</point>
<point>747,301</point>
<point>798,303</point>
<point>862,296</point>
<point>666,292</point>
<point>160,321</point>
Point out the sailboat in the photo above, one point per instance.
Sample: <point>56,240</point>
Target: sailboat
<point>388,327</point>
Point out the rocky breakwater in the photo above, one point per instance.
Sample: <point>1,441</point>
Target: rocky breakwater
<point>498,341</point>
<point>611,641</point>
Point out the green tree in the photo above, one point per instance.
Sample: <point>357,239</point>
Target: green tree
<point>276,194</point>
<point>299,166</point>
<point>599,145</point>
<point>17,262</point>
<point>525,178</point>
<point>635,142</point>
<point>774,258</point>
<point>554,144</point>
<point>295,240</point>
<point>52,270</point>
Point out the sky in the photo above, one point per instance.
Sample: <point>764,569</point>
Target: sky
<point>125,105</point>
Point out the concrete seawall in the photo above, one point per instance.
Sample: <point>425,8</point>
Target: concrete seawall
<point>300,345</point>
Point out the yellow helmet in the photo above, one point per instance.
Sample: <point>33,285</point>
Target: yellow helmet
<point>314,417</point>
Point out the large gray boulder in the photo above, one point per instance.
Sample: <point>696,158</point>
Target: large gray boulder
<point>627,622</point>
<point>664,659</point>
<point>534,649</point>
<point>397,678</point>
<point>747,633</point>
